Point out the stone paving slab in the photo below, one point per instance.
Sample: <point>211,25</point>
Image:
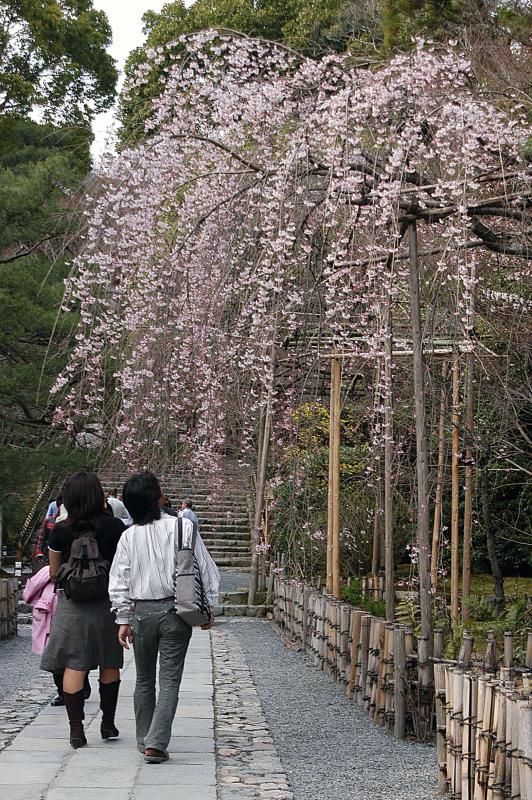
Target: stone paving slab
<point>198,792</point>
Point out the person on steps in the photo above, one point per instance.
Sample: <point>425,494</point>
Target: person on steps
<point>141,587</point>
<point>187,511</point>
<point>83,633</point>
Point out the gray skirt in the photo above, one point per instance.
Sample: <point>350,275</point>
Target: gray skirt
<point>83,636</point>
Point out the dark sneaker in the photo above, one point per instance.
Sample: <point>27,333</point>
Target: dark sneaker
<point>153,756</point>
<point>141,748</point>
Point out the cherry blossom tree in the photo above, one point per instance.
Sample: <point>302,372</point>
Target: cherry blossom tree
<point>279,200</point>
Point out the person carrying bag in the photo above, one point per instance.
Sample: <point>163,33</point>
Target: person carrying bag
<point>154,554</point>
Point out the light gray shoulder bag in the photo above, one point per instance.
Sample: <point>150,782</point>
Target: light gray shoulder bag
<point>191,602</point>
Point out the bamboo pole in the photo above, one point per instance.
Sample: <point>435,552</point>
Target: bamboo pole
<point>468,485</point>
<point>337,369</point>
<point>389,570</point>
<point>422,469</point>
<point>436,527</point>
<point>377,525</point>
<point>499,766</point>
<point>377,521</point>
<point>455,487</point>
<point>364,654</point>
<point>441,751</point>
<point>333,521</point>
<point>528,657</point>
<point>525,749</point>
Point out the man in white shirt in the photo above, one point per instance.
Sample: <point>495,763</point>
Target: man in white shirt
<point>141,588</point>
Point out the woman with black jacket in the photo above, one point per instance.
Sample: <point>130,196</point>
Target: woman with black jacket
<point>83,634</point>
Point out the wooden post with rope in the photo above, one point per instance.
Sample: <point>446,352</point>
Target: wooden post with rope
<point>333,521</point>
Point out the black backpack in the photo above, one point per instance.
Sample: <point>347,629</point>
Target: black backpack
<point>85,576</point>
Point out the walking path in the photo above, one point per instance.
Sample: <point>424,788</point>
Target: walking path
<point>255,721</point>
<point>40,764</point>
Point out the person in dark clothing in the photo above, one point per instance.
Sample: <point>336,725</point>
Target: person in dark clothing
<point>167,507</point>
<point>83,633</point>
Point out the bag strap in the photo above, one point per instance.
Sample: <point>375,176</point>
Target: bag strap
<point>179,533</point>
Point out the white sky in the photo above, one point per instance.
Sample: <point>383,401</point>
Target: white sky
<point>125,17</point>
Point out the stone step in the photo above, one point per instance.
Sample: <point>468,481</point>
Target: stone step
<point>233,561</point>
<point>234,598</point>
<point>240,529</point>
<point>221,547</point>
<point>229,610</point>
<point>213,515</point>
<point>219,544</point>
<point>213,527</point>
<point>199,488</point>
<point>220,557</point>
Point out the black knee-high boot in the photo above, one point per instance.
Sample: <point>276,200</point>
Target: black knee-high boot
<point>58,680</point>
<point>74,705</point>
<point>108,701</point>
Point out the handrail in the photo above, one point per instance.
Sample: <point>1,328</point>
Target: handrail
<point>34,515</point>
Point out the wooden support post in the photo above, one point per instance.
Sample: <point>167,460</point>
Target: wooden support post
<point>399,683</point>
<point>259,502</point>
<point>422,467</point>
<point>455,487</point>
<point>436,527</point>
<point>389,569</point>
<point>333,522</point>
<point>468,485</point>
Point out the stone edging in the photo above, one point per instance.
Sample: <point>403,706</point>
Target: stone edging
<point>22,706</point>
<point>248,765</point>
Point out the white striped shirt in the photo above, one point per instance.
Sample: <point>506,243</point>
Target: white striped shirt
<point>145,563</point>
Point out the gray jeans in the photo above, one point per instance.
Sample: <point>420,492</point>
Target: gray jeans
<point>157,631</point>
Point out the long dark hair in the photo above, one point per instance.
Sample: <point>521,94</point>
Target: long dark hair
<point>141,494</point>
<point>84,499</point>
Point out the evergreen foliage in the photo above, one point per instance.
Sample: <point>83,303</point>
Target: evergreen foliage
<point>41,170</point>
<point>53,56</point>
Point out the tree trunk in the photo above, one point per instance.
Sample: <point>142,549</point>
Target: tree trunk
<point>436,528</point>
<point>425,599</point>
<point>498,581</point>
<point>455,487</point>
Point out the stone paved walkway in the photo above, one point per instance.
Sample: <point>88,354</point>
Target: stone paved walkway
<point>40,764</point>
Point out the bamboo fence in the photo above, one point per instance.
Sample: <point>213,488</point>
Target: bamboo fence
<point>8,606</point>
<point>480,713</point>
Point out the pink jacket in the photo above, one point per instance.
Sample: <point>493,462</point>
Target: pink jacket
<point>39,592</point>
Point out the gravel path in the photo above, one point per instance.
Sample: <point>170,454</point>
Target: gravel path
<point>328,747</point>
<point>18,665</point>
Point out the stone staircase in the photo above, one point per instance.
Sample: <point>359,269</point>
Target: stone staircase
<point>224,521</point>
